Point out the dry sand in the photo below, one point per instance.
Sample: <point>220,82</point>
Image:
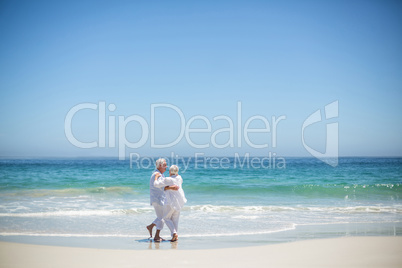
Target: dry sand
<point>336,252</point>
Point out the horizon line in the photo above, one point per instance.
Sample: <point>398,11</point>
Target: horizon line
<point>167,157</point>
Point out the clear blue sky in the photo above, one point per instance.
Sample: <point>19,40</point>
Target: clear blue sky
<point>278,58</point>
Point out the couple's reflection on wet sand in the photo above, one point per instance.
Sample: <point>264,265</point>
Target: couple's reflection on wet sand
<point>157,245</point>
<point>153,245</point>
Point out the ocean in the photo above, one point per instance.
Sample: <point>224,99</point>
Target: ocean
<point>104,203</point>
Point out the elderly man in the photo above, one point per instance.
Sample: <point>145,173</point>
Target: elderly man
<point>157,195</point>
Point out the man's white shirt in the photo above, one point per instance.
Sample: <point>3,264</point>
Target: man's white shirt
<point>157,193</point>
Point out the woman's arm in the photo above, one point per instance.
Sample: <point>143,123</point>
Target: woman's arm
<point>165,182</point>
<point>173,187</point>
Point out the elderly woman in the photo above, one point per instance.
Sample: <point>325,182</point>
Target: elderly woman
<point>174,201</point>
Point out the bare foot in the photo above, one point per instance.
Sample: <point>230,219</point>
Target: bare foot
<point>149,228</point>
<point>175,238</point>
<point>158,239</point>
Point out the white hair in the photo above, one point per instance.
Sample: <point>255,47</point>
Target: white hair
<point>160,162</point>
<point>174,170</point>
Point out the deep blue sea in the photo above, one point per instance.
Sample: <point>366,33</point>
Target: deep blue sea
<point>107,201</point>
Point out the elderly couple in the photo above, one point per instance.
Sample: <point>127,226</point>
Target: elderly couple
<point>167,198</point>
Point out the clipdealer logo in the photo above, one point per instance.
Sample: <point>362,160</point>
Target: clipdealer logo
<point>239,127</point>
<point>331,154</point>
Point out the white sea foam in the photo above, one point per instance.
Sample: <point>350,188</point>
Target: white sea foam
<point>292,227</point>
<point>70,192</point>
<point>81,213</point>
<point>246,211</point>
<point>346,209</point>
<point>65,235</point>
<point>245,217</point>
<point>345,222</point>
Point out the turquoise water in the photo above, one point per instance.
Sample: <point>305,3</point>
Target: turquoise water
<point>95,199</point>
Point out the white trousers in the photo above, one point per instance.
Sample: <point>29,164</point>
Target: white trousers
<point>159,216</point>
<point>171,218</point>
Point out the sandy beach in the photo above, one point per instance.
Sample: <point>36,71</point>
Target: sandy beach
<point>334,252</point>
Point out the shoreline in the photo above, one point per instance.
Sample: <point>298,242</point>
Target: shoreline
<point>373,251</point>
<point>190,242</point>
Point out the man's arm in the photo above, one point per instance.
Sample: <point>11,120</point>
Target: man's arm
<point>173,187</point>
<point>165,182</point>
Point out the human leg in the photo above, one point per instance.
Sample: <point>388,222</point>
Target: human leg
<point>175,220</point>
<point>158,222</point>
<point>167,214</point>
<point>149,228</point>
